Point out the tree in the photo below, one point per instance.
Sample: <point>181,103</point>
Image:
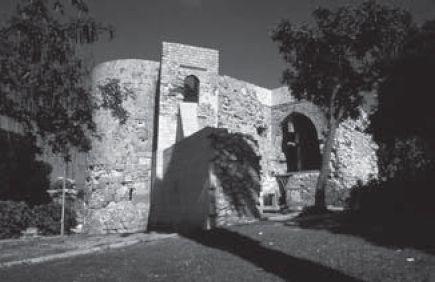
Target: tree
<point>342,55</point>
<point>45,77</point>
<point>408,88</point>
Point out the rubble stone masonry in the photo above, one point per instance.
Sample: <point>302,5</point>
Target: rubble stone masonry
<point>126,163</point>
<point>120,163</point>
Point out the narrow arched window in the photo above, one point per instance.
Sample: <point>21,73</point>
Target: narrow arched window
<point>191,89</point>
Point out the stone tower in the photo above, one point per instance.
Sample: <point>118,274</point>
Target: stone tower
<point>120,163</point>
<point>178,63</point>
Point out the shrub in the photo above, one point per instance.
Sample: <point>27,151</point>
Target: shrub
<point>72,192</point>
<point>14,218</point>
<point>47,218</point>
<point>336,195</point>
<point>396,197</point>
<point>369,199</point>
<point>313,210</point>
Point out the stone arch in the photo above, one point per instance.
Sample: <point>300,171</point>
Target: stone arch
<point>308,109</point>
<point>191,89</point>
<point>300,143</point>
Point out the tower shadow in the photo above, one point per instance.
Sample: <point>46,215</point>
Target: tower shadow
<point>275,262</point>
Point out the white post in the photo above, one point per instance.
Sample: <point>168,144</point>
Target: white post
<point>62,218</point>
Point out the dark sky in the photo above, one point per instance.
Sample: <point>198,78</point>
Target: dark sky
<point>238,28</point>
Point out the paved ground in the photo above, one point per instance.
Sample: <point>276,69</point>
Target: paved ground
<point>265,251</point>
<point>18,251</point>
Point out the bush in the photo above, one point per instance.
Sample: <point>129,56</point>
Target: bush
<point>397,197</point>
<point>14,218</point>
<point>313,210</point>
<point>336,195</point>
<point>47,218</point>
<point>370,198</point>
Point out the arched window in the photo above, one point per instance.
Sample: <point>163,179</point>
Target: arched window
<point>300,143</point>
<point>191,89</point>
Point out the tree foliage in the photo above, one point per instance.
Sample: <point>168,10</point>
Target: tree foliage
<point>406,95</point>
<point>22,176</point>
<point>338,58</point>
<point>44,83</point>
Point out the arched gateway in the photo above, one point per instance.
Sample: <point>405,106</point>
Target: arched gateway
<point>300,143</point>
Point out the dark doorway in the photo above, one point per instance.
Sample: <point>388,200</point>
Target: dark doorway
<point>300,143</point>
<point>191,89</point>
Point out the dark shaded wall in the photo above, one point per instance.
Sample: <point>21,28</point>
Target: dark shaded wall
<point>211,178</point>
<point>76,168</point>
<point>33,164</point>
<point>181,199</point>
<point>22,176</point>
<point>236,178</point>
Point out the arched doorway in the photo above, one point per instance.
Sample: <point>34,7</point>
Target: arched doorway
<point>300,143</point>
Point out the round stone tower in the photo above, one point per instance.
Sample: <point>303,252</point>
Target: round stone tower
<point>120,162</point>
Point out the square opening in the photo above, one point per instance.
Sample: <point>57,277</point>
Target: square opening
<point>268,200</point>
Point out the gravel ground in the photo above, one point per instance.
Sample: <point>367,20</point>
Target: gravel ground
<point>264,251</point>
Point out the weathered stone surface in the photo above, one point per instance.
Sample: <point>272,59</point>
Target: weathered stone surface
<point>245,108</point>
<point>237,178</point>
<point>354,156</point>
<point>300,189</point>
<point>120,162</point>
<point>117,217</point>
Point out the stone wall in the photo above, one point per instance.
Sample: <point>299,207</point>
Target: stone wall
<point>235,178</point>
<point>354,155</point>
<point>242,109</point>
<point>281,96</point>
<point>120,163</point>
<point>300,189</point>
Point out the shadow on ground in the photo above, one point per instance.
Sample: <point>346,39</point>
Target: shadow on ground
<point>278,263</point>
<point>395,233</point>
